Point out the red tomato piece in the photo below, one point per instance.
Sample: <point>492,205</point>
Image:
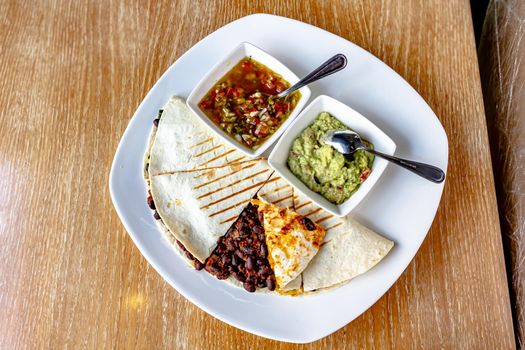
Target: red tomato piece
<point>207,104</point>
<point>247,65</point>
<point>365,174</point>
<point>237,92</point>
<point>279,87</point>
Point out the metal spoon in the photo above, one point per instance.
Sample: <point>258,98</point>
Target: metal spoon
<point>334,64</point>
<point>347,142</point>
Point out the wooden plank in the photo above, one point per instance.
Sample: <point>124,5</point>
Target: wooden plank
<point>71,76</point>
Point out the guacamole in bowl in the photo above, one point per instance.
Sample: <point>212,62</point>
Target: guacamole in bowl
<point>324,170</point>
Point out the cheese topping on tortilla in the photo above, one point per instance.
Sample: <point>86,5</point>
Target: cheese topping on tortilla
<point>292,240</point>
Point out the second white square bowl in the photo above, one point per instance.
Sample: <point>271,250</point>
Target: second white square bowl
<point>355,121</point>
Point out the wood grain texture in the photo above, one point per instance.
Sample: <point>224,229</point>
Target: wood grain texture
<point>71,76</point>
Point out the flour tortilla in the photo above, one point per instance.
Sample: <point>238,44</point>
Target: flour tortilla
<point>349,248</point>
<point>147,155</point>
<point>345,256</point>
<point>331,223</point>
<point>199,186</point>
<point>277,191</point>
<point>355,249</point>
<point>182,142</point>
<point>198,207</point>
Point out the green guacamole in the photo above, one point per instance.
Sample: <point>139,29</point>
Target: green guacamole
<point>322,168</point>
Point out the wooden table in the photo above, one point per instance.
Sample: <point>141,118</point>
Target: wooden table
<point>71,76</point>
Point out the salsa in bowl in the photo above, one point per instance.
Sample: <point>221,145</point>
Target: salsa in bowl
<point>243,102</point>
<point>237,99</point>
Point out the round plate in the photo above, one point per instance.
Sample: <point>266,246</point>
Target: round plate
<point>401,206</point>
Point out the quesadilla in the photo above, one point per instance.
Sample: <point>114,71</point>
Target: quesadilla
<point>199,206</point>
<point>345,256</point>
<point>203,193</point>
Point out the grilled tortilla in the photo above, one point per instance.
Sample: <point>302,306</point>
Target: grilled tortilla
<point>200,186</point>
<point>279,192</point>
<point>348,250</point>
<point>183,143</point>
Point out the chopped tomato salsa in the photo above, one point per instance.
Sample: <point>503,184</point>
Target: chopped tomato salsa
<point>235,102</point>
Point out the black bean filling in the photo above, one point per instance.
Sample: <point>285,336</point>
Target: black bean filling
<point>243,254</point>
<point>310,226</point>
<point>157,120</point>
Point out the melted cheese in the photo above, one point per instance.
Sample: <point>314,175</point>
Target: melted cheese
<point>291,245</point>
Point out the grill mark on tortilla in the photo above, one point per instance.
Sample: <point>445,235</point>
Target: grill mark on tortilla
<point>233,162</point>
<point>223,177</point>
<point>324,219</point>
<point>207,151</point>
<point>302,205</point>
<point>282,199</point>
<point>275,190</point>
<point>238,192</point>
<point>229,219</point>
<point>218,157</point>
<point>233,183</point>
<point>211,168</point>
<point>228,208</point>
<point>313,212</point>
<point>334,226</point>
<point>265,182</point>
<point>203,142</point>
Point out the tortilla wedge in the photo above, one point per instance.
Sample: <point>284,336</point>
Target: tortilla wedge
<point>345,256</point>
<point>183,143</point>
<point>349,248</point>
<point>199,208</point>
<point>199,186</point>
<point>291,242</point>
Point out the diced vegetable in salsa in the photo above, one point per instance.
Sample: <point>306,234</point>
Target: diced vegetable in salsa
<point>235,102</point>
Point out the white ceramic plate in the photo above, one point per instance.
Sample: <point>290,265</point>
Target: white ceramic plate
<point>401,206</point>
<point>279,157</point>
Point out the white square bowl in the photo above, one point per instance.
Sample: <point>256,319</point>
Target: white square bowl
<point>352,119</point>
<point>243,50</point>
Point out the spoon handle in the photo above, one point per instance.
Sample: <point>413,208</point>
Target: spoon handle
<point>427,171</point>
<point>334,64</point>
